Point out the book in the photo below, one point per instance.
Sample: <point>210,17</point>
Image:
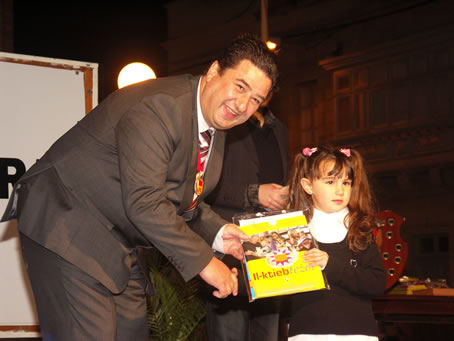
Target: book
<point>435,292</point>
<point>273,256</point>
<point>407,290</point>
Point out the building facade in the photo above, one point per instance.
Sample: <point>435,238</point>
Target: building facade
<point>371,75</point>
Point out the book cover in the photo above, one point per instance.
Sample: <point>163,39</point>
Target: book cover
<point>273,263</point>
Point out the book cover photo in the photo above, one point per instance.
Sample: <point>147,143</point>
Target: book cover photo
<point>273,263</point>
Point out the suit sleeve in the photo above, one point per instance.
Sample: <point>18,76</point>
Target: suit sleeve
<point>206,223</point>
<point>147,137</point>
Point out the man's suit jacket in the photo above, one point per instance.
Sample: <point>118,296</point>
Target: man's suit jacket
<point>121,178</point>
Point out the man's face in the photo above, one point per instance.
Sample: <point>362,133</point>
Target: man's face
<point>231,98</point>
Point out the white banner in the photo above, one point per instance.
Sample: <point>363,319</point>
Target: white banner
<point>39,101</point>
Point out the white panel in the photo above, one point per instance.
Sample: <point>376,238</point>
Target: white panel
<point>37,105</point>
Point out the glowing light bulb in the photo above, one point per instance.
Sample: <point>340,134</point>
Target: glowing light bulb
<point>134,73</point>
<point>271,45</point>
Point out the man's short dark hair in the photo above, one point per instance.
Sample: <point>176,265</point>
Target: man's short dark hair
<point>248,46</point>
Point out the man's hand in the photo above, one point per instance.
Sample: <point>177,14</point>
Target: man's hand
<point>232,237</point>
<point>273,196</point>
<point>218,275</point>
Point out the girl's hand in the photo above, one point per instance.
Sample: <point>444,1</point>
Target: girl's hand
<point>316,257</point>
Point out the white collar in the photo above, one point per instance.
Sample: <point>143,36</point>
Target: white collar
<point>328,227</point>
<point>202,124</point>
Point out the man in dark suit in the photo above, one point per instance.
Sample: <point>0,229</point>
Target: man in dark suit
<point>253,177</point>
<point>123,179</point>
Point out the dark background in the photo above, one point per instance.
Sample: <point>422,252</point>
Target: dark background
<point>111,34</point>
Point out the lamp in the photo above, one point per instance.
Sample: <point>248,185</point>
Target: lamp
<point>134,73</point>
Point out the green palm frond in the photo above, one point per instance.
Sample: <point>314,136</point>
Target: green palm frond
<point>176,311</point>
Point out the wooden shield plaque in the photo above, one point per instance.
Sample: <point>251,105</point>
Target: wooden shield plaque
<point>393,248</point>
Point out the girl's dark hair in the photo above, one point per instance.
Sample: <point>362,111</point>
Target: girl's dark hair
<point>360,220</point>
<point>249,47</point>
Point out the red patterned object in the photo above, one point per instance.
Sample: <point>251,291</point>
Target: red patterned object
<point>393,248</point>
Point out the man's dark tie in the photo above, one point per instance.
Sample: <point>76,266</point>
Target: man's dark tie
<point>204,145</point>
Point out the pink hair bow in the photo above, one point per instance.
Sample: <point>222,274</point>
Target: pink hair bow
<point>345,151</point>
<point>309,151</point>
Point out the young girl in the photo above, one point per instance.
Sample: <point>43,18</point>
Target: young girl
<point>333,183</point>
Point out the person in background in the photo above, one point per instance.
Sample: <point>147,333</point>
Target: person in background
<point>333,184</point>
<point>130,175</point>
<point>252,180</point>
